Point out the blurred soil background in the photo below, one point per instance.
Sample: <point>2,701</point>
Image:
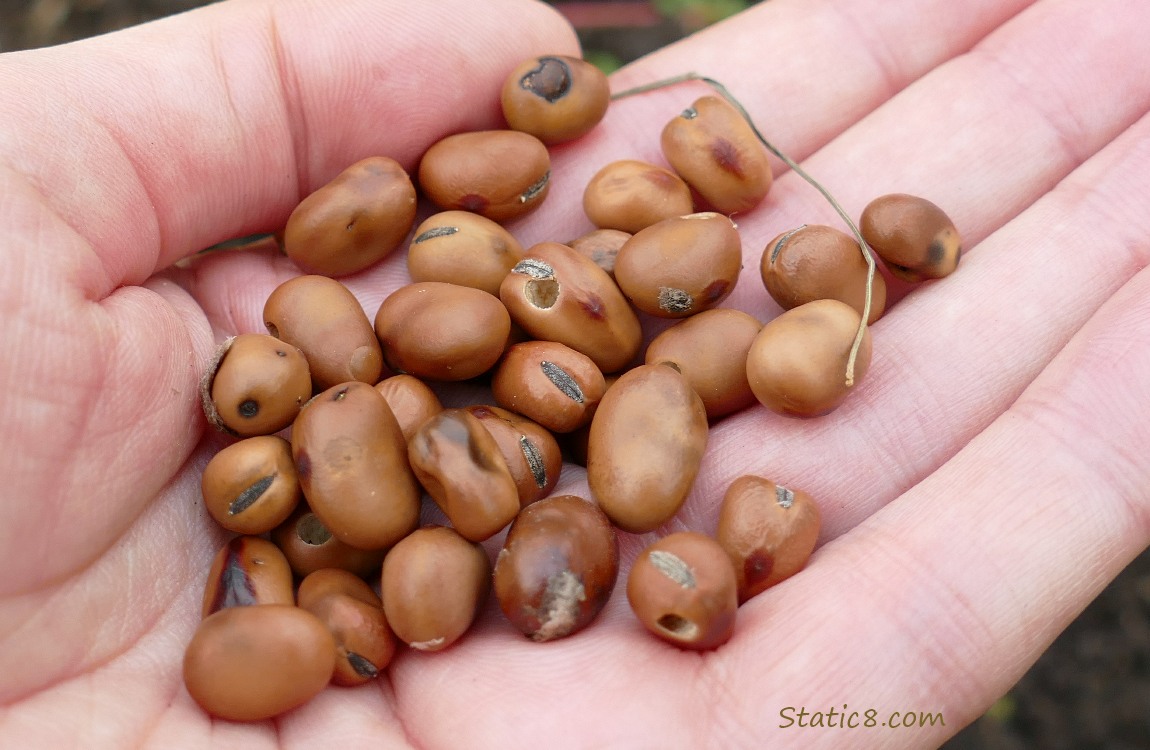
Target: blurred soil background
<point>1090,690</point>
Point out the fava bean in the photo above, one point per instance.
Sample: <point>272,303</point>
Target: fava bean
<point>682,588</point>
<point>557,294</point>
<point>325,320</point>
<point>352,463</point>
<point>354,221</point>
<point>255,385</point>
<point>557,567</point>
<point>433,585</point>
<point>442,331</point>
<point>254,663</point>
<point>499,174</point>
<point>645,447</point>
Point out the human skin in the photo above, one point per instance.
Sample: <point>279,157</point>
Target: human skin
<point>983,484</point>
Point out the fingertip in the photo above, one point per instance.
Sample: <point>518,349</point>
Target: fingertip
<point>169,137</point>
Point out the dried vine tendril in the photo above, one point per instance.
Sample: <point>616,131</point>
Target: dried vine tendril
<point>863,247</point>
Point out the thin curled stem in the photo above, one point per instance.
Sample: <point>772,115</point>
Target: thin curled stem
<point>863,247</point>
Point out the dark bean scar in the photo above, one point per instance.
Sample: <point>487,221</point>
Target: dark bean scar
<point>550,81</point>
<point>434,232</point>
<point>246,498</point>
<point>561,380</point>
<point>534,461</point>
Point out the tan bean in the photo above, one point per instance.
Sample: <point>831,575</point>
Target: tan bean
<point>461,467</point>
<point>680,266</point>
<point>500,174</point>
<point>532,454</point>
<point>460,247</point>
<point>364,642</point>
<point>354,221</point>
<point>601,246</point>
<point>768,531</point>
<point>352,463</point>
<point>442,331</point>
<point>819,262</point>
<point>245,572</point>
<point>682,588</point>
<point>433,585</point>
<point>255,385</point>
<point>914,237</point>
<point>309,546</point>
<point>326,582</point>
<point>549,383</point>
<point>254,663</point>
<point>555,98</point>
<point>251,487</point>
<point>325,320</point>
<point>557,567</point>
<point>797,364</point>
<point>710,350</point>
<point>645,447</point>
<point>556,294</point>
<point>716,152</point>
<point>411,401</point>
<point>630,195</point>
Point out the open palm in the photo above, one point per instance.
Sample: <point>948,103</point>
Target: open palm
<point>980,486</point>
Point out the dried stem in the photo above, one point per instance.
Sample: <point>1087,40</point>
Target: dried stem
<point>863,247</point>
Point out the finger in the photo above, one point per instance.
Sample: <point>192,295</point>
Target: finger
<point>968,577</point>
<point>844,61</point>
<point>246,107</point>
<point>122,625</point>
<point>955,354</point>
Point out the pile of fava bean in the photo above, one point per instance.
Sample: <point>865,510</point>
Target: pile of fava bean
<point>553,330</point>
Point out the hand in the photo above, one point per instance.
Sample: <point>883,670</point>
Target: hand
<point>981,485</point>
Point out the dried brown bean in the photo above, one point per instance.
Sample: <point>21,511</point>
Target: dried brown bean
<point>364,642</point>
<point>557,567</point>
<point>682,588</point>
<point>325,582</point>
<point>795,365</point>
<point>532,454</point>
<point>411,401</point>
<point>247,571</point>
<point>442,331</point>
<point>461,467</point>
<point>500,174</point>
<point>630,195</point>
<point>309,546</point>
<point>555,98</point>
<point>460,247</point>
<point>251,487</point>
<point>601,246</point>
<point>645,447</point>
<point>254,663</point>
<point>710,350</point>
<point>717,153</point>
<point>433,585</point>
<point>325,320</point>
<point>352,464</point>
<point>680,266</point>
<point>819,262</point>
<point>556,294</point>
<point>915,238</point>
<point>354,221</point>
<point>768,531</point>
<point>255,385</point>
<point>549,383</point>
